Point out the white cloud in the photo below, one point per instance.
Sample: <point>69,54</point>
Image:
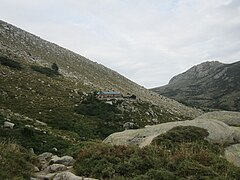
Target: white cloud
<point>149,41</point>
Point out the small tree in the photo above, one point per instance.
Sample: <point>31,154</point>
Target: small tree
<point>55,68</point>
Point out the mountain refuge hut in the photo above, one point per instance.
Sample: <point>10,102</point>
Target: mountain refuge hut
<point>109,95</point>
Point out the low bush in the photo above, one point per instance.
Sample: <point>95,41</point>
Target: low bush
<point>45,70</point>
<point>189,160</point>
<point>16,162</point>
<point>94,107</point>
<point>107,117</point>
<point>181,134</point>
<point>2,119</point>
<point>39,141</point>
<point>10,63</point>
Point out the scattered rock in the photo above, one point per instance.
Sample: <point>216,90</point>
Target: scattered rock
<point>8,124</point>
<point>67,176</point>
<point>55,149</point>
<point>36,169</point>
<point>45,156</point>
<point>56,168</point>
<point>129,125</point>
<point>31,150</point>
<point>45,176</point>
<point>41,123</point>
<point>66,160</point>
<point>232,154</point>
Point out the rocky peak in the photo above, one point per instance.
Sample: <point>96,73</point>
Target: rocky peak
<point>196,72</point>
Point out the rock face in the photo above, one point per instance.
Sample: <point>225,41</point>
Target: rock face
<point>219,132</point>
<point>232,154</point>
<point>228,117</point>
<point>210,84</point>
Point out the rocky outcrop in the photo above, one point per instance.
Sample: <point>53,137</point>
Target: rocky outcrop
<point>232,154</point>
<point>219,132</point>
<point>52,167</point>
<point>229,117</point>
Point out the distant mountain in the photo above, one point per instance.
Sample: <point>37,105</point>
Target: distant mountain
<point>208,85</point>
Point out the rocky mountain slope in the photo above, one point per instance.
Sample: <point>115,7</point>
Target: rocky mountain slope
<point>46,88</point>
<point>210,84</point>
<point>31,49</point>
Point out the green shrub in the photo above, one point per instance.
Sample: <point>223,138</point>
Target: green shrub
<point>55,68</point>
<point>94,107</point>
<point>2,119</point>
<point>39,141</point>
<point>16,162</point>
<point>116,161</point>
<point>161,174</point>
<point>45,70</point>
<point>10,63</point>
<point>189,160</point>
<point>181,134</point>
<point>189,168</point>
<point>107,117</point>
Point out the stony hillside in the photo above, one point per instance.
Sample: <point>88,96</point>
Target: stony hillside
<point>50,90</point>
<point>30,49</point>
<point>210,85</point>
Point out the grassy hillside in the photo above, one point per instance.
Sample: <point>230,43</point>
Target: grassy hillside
<point>78,69</point>
<point>42,82</point>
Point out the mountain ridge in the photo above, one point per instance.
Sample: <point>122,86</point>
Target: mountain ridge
<point>209,84</point>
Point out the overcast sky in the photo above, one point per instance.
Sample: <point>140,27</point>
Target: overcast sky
<point>148,41</point>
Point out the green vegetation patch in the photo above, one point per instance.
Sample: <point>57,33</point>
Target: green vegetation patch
<point>108,117</point>
<point>45,70</point>
<point>181,153</point>
<point>94,107</point>
<point>181,134</point>
<point>190,161</point>
<point>10,63</point>
<point>16,162</point>
<point>31,138</point>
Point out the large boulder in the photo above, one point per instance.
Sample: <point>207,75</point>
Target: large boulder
<point>45,156</point>
<point>65,160</point>
<point>219,132</point>
<point>56,168</point>
<point>232,154</point>
<point>67,176</point>
<point>229,117</point>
